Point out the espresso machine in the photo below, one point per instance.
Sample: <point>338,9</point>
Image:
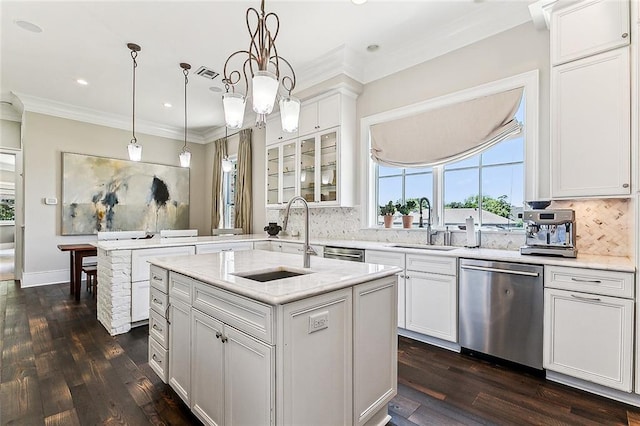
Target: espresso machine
<point>550,232</point>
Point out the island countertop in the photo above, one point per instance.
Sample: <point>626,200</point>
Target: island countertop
<point>223,270</point>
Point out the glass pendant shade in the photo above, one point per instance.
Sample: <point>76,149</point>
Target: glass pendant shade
<point>289,114</point>
<point>227,165</point>
<point>265,88</point>
<point>185,158</point>
<point>233,104</point>
<point>135,151</point>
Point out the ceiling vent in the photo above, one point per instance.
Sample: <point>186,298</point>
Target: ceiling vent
<point>207,73</point>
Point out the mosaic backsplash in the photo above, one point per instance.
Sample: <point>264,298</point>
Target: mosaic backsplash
<point>602,227</point>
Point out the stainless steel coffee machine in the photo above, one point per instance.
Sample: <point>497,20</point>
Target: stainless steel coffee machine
<point>550,232</point>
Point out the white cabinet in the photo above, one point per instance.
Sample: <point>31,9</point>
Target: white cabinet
<point>590,129</point>
<point>180,348</point>
<point>230,372</point>
<point>588,27</point>
<point>319,164</point>
<point>589,335</point>
<point>158,325</point>
<point>319,115</point>
<point>432,298</point>
<point>391,259</point>
<point>140,276</point>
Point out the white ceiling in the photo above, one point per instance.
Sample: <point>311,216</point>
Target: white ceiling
<point>87,39</point>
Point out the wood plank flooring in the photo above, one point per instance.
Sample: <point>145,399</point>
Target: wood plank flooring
<point>59,366</point>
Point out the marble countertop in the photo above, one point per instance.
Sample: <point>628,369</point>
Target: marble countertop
<point>325,275</point>
<point>614,263</point>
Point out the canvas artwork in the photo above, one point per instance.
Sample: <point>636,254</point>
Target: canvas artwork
<point>105,194</point>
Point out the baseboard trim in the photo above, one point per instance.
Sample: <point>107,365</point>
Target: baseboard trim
<point>36,279</point>
<point>430,340</point>
<point>628,398</point>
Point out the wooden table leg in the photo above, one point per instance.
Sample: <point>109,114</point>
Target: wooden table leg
<point>77,279</point>
<point>71,272</point>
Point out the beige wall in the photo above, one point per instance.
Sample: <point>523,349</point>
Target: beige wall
<point>44,139</point>
<point>512,52</point>
<point>9,134</point>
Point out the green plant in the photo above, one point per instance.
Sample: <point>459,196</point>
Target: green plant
<point>387,209</point>
<point>407,207</point>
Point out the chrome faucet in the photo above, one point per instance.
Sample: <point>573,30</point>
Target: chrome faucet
<point>421,224</point>
<point>307,251</point>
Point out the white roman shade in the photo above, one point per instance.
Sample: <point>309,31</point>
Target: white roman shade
<point>447,133</point>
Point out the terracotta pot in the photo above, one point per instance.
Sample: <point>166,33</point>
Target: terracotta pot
<point>407,220</point>
<point>388,220</point>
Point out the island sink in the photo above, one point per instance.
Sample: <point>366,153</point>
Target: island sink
<point>271,275</point>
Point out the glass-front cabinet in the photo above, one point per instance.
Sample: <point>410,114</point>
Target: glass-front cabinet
<point>289,172</point>
<point>273,175</point>
<point>328,156</point>
<point>308,168</point>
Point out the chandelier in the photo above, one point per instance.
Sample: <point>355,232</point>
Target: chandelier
<point>261,74</point>
<point>185,155</point>
<point>134,148</point>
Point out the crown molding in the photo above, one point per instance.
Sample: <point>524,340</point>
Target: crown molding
<point>10,114</point>
<point>88,115</point>
<point>341,60</point>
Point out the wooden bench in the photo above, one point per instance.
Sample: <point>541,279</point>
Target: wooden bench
<point>92,277</point>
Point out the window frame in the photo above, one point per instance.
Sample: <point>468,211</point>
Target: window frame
<point>528,81</point>
<point>226,184</point>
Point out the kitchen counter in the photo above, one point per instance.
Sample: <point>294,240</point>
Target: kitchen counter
<point>222,269</point>
<point>155,242</point>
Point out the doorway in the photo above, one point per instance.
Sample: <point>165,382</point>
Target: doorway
<point>8,232</point>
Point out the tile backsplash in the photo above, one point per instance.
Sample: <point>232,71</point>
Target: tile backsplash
<point>602,227</point>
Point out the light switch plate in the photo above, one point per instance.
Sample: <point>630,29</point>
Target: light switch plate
<point>318,321</point>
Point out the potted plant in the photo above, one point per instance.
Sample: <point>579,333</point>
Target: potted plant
<point>387,211</point>
<point>405,210</point>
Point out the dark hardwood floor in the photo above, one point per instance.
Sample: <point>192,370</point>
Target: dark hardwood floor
<point>59,366</point>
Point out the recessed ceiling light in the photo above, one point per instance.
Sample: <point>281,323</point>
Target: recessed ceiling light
<point>373,48</point>
<point>82,82</point>
<point>215,89</point>
<point>358,1</point>
<point>167,105</point>
<point>28,26</point>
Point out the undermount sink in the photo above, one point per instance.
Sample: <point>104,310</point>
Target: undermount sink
<point>424,247</point>
<point>271,274</point>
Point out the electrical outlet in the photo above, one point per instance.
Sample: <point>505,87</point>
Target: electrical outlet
<point>318,321</point>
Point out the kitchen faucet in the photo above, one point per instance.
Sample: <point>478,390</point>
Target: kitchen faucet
<point>421,224</point>
<point>307,251</point>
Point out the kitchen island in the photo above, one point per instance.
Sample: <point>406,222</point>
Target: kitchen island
<point>251,337</point>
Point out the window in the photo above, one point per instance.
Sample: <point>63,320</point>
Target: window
<point>490,186</point>
<point>228,194</point>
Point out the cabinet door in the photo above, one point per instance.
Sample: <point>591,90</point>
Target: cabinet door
<point>329,112</point>
<point>432,305</point>
<point>249,380</point>
<point>308,187</point>
<point>391,259</point>
<point>590,130</point>
<point>289,171</point>
<point>308,118</point>
<point>179,348</point>
<point>328,166</point>
<point>273,133</point>
<point>140,301</point>
<point>207,374</point>
<point>273,175</point>
<point>589,337</point>
<point>587,28</point>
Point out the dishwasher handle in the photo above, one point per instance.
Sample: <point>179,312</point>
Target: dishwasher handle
<point>502,271</point>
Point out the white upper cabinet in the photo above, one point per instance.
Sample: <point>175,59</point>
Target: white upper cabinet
<point>319,115</point>
<point>587,28</point>
<point>590,126</point>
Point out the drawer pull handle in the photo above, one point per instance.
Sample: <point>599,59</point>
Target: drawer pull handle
<point>157,278</point>
<point>590,299</point>
<point>155,326</point>
<point>218,334</point>
<point>582,280</point>
<point>166,313</point>
<point>156,359</point>
<point>228,249</point>
<point>157,302</point>
<point>625,35</point>
<point>224,339</point>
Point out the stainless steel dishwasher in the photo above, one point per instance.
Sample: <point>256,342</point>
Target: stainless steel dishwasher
<point>500,310</point>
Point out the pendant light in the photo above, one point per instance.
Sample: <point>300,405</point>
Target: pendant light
<point>261,71</point>
<point>185,155</point>
<point>135,149</point>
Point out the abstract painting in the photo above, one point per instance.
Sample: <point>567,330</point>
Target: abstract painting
<point>105,194</point>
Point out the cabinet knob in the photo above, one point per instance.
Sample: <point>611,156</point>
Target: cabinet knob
<point>625,185</point>
<point>218,334</point>
<point>625,35</point>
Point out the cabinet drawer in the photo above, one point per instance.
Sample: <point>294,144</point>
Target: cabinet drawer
<point>159,279</point>
<point>432,264</point>
<point>158,359</point>
<point>388,258</point>
<point>158,328</point>
<point>180,287</point>
<point>596,281</point>
<point>158,301</point>
<point>219,247</point>
<point>254,318</point>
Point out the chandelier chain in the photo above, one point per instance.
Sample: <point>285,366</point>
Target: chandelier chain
<point>134,55</point>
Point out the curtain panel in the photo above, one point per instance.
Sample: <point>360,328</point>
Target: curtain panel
<point>448,133</point>
<point>243,189</point>
<point>219,152</point>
